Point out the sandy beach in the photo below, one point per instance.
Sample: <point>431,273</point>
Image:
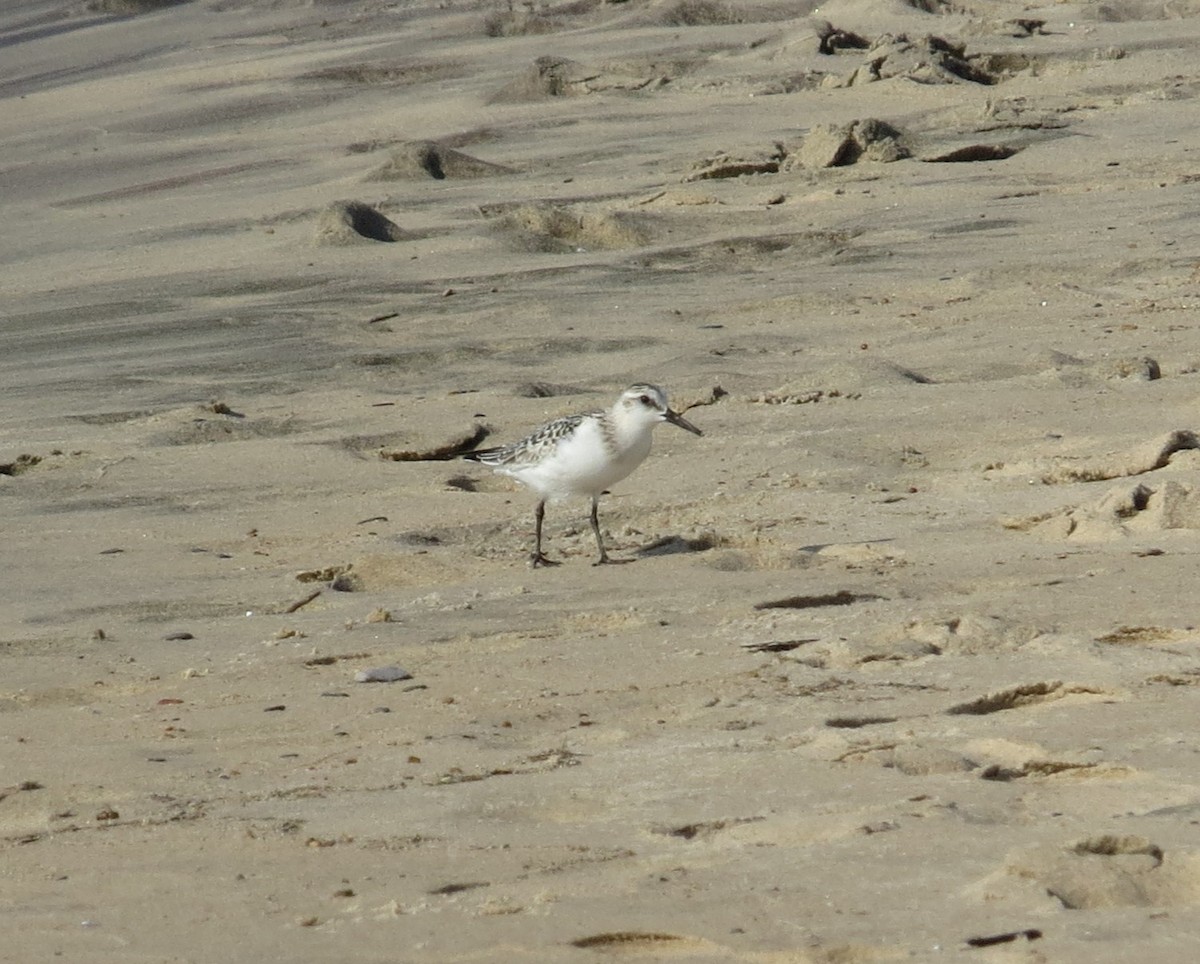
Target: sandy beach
<point>900,661</point>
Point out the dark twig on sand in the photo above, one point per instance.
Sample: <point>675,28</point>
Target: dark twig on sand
<point>300,603</point>
<point>441,453</point>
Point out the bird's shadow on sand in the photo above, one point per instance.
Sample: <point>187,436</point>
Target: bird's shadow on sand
<point>677,544</point>
<point>674,545</point>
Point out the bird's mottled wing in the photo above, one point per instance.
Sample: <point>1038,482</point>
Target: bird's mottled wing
<point>533,448</point>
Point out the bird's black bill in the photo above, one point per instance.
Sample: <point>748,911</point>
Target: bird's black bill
<point>676,419</point>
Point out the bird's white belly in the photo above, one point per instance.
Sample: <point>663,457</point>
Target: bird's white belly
<point>582,465</point>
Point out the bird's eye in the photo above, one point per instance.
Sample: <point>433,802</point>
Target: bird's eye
<point>645,399</point>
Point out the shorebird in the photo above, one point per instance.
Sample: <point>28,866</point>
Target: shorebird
<point>584,455</point>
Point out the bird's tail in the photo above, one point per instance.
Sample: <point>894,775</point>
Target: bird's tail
<point>485,456</point>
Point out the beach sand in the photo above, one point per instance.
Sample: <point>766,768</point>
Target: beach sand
<point>902,654</point>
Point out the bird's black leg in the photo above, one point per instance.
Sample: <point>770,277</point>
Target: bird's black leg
<point>596,529</point>
<point>537,559</point>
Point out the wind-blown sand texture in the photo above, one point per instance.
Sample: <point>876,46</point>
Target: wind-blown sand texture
<point>904,664</point>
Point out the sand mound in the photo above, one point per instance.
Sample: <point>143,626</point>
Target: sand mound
<point>826,145</point>
<point>213,423</point>
<point>1110,871</point>
<point>419,159</point>
<point>1123,511</point>
<point>838,145</point>
<point>1079,372</point>
<point>557,229</point>
<point>698,13</point>
<point>552,76</point>
<point>546,77</point>
<point>926,60</point>
<point>833,40</point>
<point>723,164</point>
<point>348,222</point>
<point>518,23</point>
<point>1153,454</point>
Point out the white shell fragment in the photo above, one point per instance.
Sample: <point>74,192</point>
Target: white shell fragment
<point>382,674</point>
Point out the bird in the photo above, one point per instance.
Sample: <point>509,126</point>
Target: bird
<point>583,455</point>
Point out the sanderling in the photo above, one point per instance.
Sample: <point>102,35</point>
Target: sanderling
<point>584,454</point>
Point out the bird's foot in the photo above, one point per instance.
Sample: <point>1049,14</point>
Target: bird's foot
<point>537,560</point>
